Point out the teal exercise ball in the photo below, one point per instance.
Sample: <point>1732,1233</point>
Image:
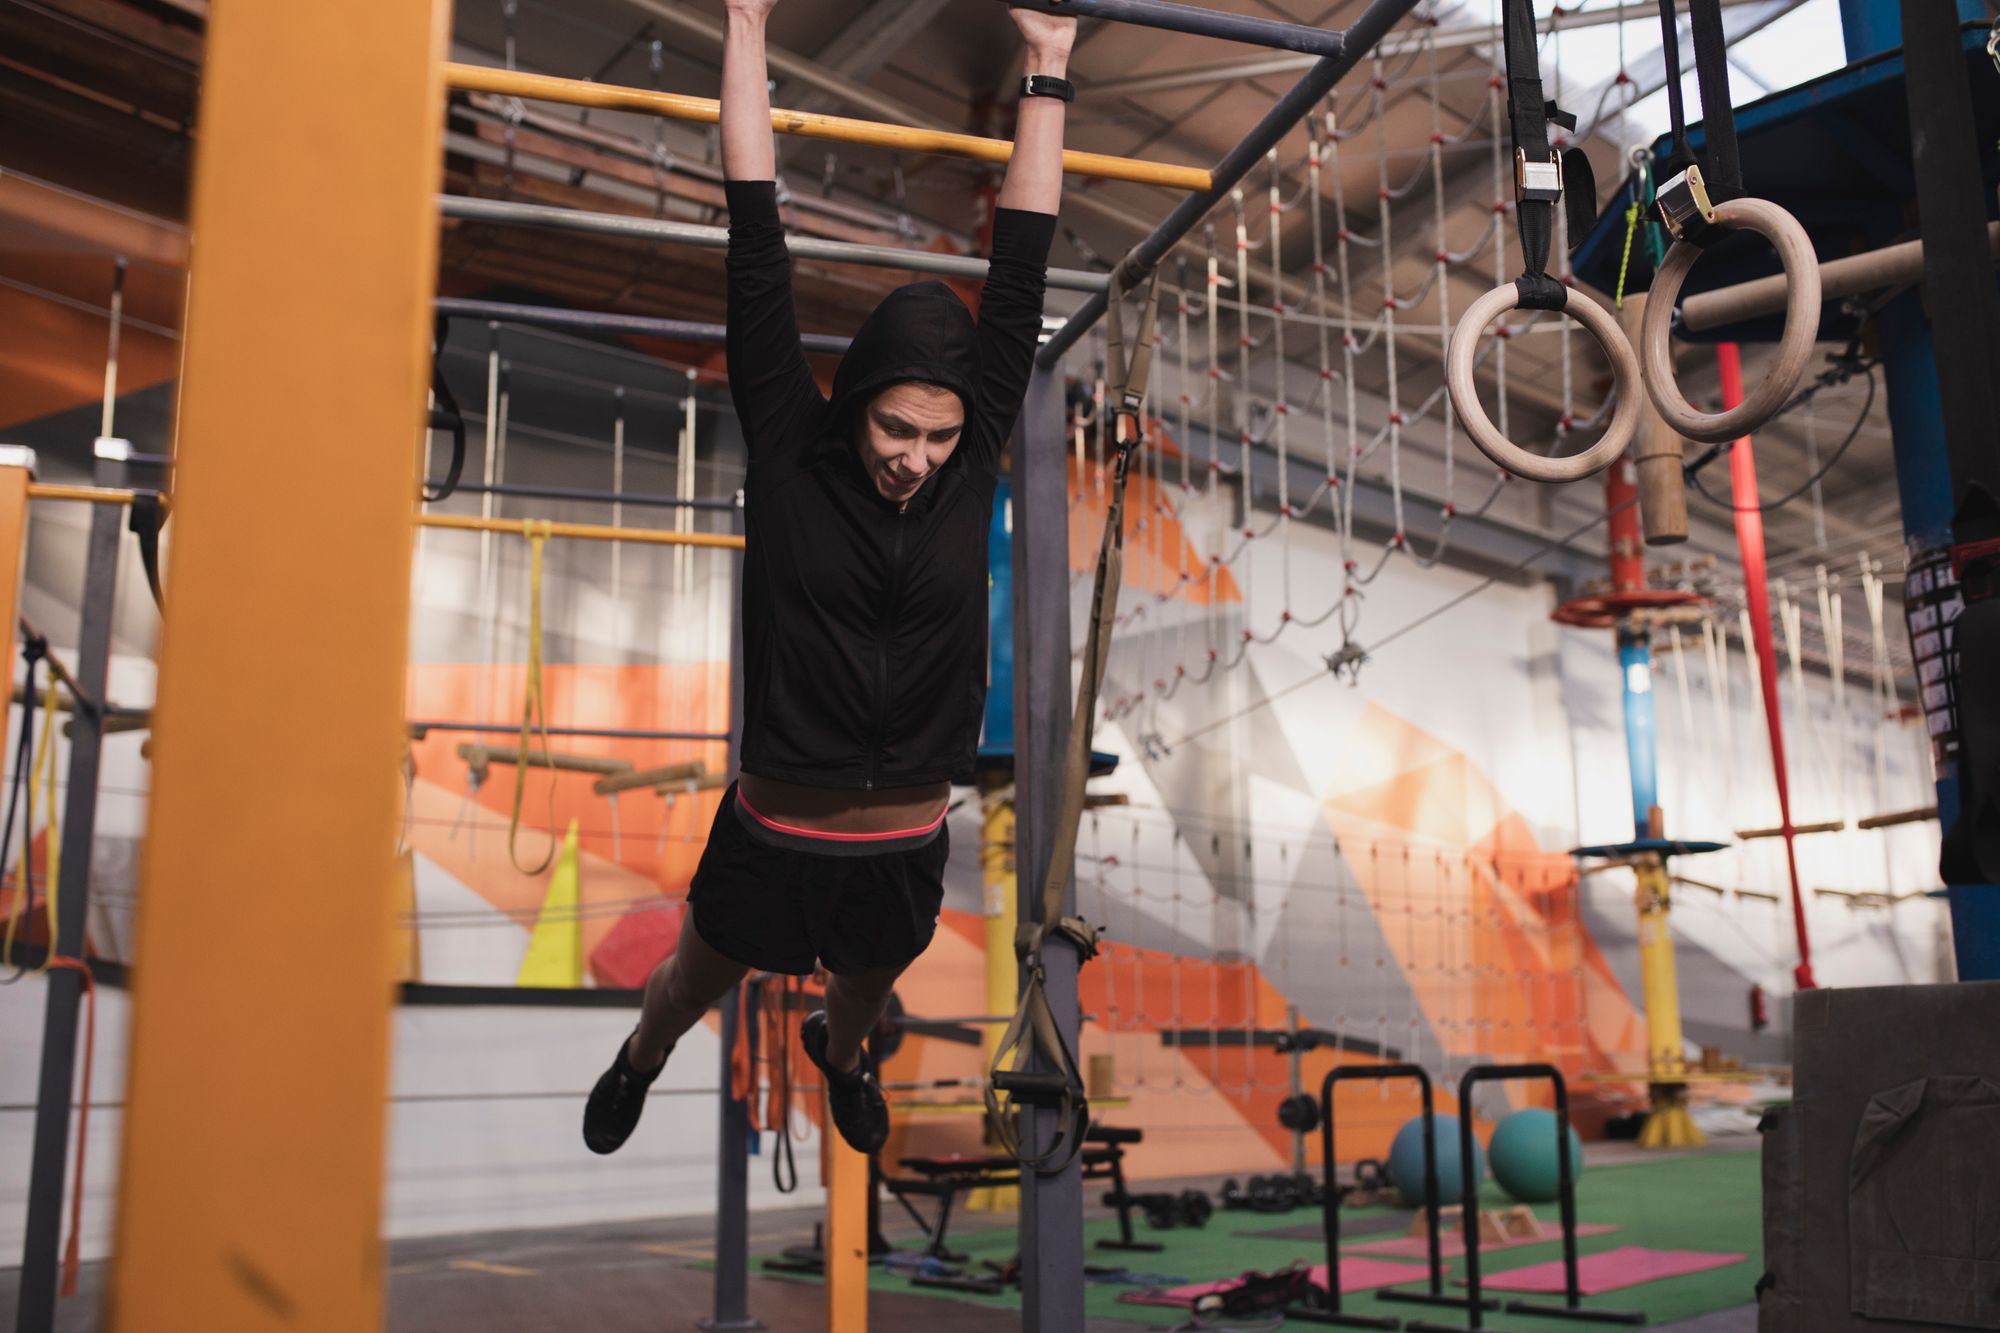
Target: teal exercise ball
<point>1524,1155</point>
<point>1406,1161</point>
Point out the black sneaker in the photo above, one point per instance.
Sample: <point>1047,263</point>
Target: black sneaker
<point>612,1112</point>
<point>859,1111</point>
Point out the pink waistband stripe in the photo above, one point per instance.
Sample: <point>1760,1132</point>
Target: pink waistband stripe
<point>797,832</point>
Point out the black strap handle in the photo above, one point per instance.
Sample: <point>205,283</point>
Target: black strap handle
<point>149,515</point>
<point>1721,163</point>
<point>1528,116</point>
<point>446,415</point>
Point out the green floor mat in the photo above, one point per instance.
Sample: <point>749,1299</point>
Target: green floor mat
<point>1701,1202</point>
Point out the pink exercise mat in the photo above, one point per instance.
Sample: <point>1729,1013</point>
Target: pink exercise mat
<point>1451,1244</point>
<point>1626,1266</point>
<point>1355,1275</point>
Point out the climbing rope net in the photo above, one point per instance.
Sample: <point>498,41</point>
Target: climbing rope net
<point>1443,955</point>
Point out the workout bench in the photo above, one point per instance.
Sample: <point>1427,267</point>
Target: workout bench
<point>944,1178</point>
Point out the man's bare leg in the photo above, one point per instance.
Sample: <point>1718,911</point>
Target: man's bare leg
<point>854,1004</point>
<point>679,992</point>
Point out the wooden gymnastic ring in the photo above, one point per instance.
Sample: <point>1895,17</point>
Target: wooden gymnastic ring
<point>1542,467</point>
<point>1795,349</point>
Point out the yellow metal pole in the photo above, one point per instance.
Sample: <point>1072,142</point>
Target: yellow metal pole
<point>996,861</point>
<point>14,484</point>
<point>101,495</point>
<point>810,125</point>
<point>1669,1125</point>
<point>250,1191</point>
<point>845,1241</point>
<point>589,532</point>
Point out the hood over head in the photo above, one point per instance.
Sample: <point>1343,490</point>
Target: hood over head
<point>921,331</point>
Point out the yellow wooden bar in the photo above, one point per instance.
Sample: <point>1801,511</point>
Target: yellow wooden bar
<point>649,777</point>
<point>250,1182</point>
<point>101,495</point>
<point>1003,969</point>
<point>810,125</point>
<point>589,532</point>
<point>846,1235</point>
<point>14,487</point>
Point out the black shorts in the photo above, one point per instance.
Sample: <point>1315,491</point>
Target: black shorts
<point>781,908</point>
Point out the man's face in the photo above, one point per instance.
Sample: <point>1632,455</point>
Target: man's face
<point>906,433</point>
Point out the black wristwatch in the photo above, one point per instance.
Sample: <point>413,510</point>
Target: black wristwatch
<point>1047,85</point>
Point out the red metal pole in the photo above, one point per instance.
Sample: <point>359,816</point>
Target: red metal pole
<point>1628,551</point>
<point>1750,540</point>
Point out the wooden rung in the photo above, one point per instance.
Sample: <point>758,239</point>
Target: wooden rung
<point>648,777</point>
<point>481,757</point>
<point>705,782</point>
<point>1496,1225</point>
<point>118,722</point>
<point>1825,826</point>
<point>1894,817</point>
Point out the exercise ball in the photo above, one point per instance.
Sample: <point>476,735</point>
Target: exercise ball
<point>1406,1161</point>
<point>1523,1148</point>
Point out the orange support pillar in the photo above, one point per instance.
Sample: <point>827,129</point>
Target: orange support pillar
<point>250,1194</point>
<point>845,1245</point>
<point>13,554</point>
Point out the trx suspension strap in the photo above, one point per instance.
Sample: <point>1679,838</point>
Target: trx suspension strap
<point>1701,202</point>
<point>149,515</point>
<point>34,648</point>
<point>1033,1065</point>
<point>1543,178</point>
<point>445,415</point>
<point>1688,197</point>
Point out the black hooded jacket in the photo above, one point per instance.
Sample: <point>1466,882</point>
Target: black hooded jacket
<point>864,625</point>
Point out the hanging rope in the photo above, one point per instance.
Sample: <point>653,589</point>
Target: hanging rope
<point>26,776</point>
<point>533,705</point>
<point>1032,1037</point>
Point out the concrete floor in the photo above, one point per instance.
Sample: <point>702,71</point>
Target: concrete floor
<point>642,1277</point>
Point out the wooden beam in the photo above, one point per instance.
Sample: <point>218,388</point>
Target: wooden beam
<point>1826,826</point>
<point>13,547</point>
<point>649,777</point>
<point>1914,816</point>
<point>250,1185</point>
<point>480,757</point>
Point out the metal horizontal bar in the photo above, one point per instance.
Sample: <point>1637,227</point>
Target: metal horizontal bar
<point>1200,22</point>
<point>1297,102</point>
<point>1444,38</point>
<point>811,125</point>
<point>418,728</point>
<point>603,321</point>
<point>584,495</point>
<point>627,225</point>
<point>587,532</point>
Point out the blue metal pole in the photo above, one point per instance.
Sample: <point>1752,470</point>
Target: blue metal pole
<point>1635,664</point>
<point>999,730</point>
<point>1924,485</point>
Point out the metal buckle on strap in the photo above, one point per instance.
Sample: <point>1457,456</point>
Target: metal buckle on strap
<point>1684,203</point>
<point>1537,182</point>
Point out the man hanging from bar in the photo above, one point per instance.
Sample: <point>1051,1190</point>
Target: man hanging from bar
<point>864,604</point>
